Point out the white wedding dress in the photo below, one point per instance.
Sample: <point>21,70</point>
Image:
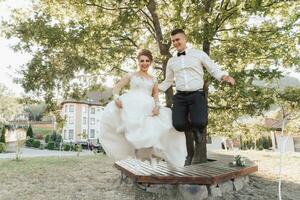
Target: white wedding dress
<point>122,131</point>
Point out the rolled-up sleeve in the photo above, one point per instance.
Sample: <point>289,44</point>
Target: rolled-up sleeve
<point>168,80</point>
<point>212,67</point>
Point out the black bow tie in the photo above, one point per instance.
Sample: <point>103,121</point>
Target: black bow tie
<point>181,53</point>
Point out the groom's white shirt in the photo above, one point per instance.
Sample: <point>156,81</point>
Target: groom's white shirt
<point>187,70</point>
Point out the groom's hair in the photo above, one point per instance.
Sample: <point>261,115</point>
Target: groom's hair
<point>176,31</point>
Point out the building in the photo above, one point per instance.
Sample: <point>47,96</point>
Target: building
<point>284,142</point>
<point>83,117</point>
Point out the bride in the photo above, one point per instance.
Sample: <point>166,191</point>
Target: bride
<point>135,125</point>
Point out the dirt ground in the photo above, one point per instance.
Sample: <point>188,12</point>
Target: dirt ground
<point>94,177</point>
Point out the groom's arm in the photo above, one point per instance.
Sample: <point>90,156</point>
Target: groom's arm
<point>168,80</point>
<point>215,70</point>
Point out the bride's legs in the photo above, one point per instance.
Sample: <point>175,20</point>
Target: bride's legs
<point>147,154</point>
<point>137,163</point>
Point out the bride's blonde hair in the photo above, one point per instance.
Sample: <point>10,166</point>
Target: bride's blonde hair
<point>145,52</point>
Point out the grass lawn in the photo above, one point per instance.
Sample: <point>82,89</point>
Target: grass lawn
<point>84,177</point>
<point>95,178</point>
<point>42,130</point>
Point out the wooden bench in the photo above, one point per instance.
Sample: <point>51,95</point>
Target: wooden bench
<point>217,170</point>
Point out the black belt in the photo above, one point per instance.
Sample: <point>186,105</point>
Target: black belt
<point>188,92</point>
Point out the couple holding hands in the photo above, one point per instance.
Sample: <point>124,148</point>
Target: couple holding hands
<point>136,125</point>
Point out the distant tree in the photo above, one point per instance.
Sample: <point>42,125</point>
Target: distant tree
<point>29,132</point>
<point>9,105</point>
<point>2,137</point>
<point>36,111</point>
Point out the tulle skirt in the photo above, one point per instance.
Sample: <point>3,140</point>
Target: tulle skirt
<point>133,127</point>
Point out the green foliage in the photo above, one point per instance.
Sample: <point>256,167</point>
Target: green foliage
<point>29,132</point>
<point>36,144</point>
<point>30,142</point>
<point>2,136</point>
<point>9,105</point>
<point>47,138</point>
<point>54,138</point>
<point>57,138</point>
<point>67,147</point>
<point>264,143</point>
<point>51,145</point>
<point>79,40</point>
<point>42,130</point>
<point>35,111</point>
<point>239,161</point>
<point>2,147</point>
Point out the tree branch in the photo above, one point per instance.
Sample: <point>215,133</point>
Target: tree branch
<point>111,9</point>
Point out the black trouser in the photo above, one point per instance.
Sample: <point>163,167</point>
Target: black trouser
<point>189,111</point>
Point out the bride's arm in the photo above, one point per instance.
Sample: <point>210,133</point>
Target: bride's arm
<point>155,91</point>
<point>117,88</point>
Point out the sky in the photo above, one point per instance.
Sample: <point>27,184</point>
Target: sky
<point>11,61</point>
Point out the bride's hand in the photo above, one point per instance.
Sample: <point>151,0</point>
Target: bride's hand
<point>155,111</point>
<point>118,103</point>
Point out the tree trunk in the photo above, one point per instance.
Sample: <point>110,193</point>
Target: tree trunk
<point>206,48</point>
<point>163,47</point>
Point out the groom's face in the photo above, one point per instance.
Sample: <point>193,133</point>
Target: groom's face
<point>179,41</point>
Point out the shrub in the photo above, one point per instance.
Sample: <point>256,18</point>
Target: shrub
<point>29,132</point>
<point>58,139</point>
<point>51,145</point>
<point>36,144</point>
<point>2,147</point>
<point>264,142</point>
<point>67,147</point>
<point>72,147</point>
<point>2,135</point>
<point>54,137</point>
<point>29,142</point>
<point>47,138</point>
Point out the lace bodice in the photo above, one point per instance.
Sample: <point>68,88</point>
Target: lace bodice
<point>141,83</point>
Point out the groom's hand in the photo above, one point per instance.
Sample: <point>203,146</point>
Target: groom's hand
<point>228,79</point>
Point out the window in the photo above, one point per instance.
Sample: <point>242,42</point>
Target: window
<point>71,120</point>
<point>66,108</point>
<point>92,110</point>
<point>92,121</point>
<point>84,120</point>
<point>71,108</point>
<point>92,133</point>
<point>71,134</point>
<point>65,135</point>
<point>84,109</point>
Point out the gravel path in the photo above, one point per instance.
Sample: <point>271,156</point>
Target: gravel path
<point>29,153</point>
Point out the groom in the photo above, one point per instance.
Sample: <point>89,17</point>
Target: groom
<point>189,111</point>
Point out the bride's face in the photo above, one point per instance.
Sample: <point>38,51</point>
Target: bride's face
<point>144,63</point>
